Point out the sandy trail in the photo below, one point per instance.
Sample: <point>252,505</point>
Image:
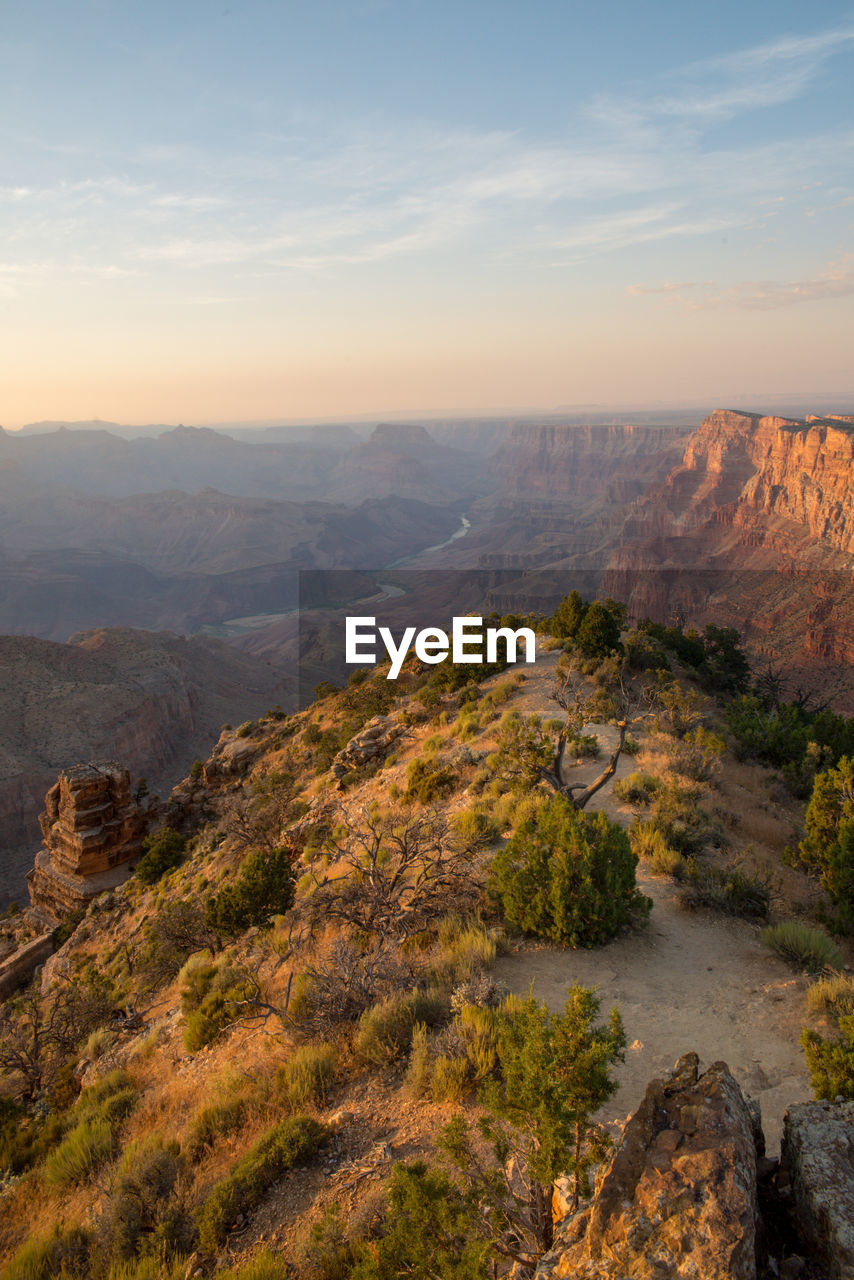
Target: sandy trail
<point>690,981</point>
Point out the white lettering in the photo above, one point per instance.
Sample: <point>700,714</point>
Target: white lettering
<point>396,653</point>
<point>462,638</point>
<point>431,645</point>
<point>511,638</point>
<point>353,638</point>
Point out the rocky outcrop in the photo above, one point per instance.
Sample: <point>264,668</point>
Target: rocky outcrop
<point>817,1162</point>
<point>93,832</point>
<point>18,968</point>
<point>369,744</point>
<point>678,1198</point>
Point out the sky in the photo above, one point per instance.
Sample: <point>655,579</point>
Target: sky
<point>273,209</point>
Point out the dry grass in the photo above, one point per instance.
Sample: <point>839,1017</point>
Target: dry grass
<point>832,995</point>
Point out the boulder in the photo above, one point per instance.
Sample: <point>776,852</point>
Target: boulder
<point>817,1161</point>
<point>370,743</point>
<point>677,1199</point>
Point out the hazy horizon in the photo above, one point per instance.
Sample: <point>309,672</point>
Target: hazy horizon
<point>295,213</point>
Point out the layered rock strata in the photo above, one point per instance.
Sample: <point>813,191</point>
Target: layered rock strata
<point>93,832</point>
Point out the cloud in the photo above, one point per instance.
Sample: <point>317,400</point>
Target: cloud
<point>669,286</point>
<point>760,77</point>
<point>837,281</point>
<point>630,170</point>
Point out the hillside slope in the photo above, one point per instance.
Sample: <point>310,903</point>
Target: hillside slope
<point>241,1014</point>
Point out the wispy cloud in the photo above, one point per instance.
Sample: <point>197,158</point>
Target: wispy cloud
<point>837,281</point>
<point>634,169</point>
<point>760,77</point>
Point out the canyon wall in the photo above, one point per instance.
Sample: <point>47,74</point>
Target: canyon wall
<point>614,463</point>
<point>756,474</point>
<point>754,528</point>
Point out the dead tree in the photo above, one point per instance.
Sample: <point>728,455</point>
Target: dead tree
<point>529,752</point>
<point>390,877</point>
<point>39,1034</point>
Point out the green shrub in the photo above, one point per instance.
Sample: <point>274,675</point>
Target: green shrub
<point>476,827</point>
<point>288,1144</point>
<point>583,746</point>
<point>477,1031</point>
<point>384,1032</point>
<point>172,935</point>
<point>449,1081</point>
<point>427,783</point>
<point>463,948</point>
<point>636,788</point>
<point>262,888</point>
<point>461,1057</point>
<point>419,1070</point>
<point>63,1253</point>
<point>832,994</point>
<point>163,851</point>
<point>567,876</point>
<point>828,846</point>
<point>212,1123</point>
<point>733,892</point>
<point>428,1231</point>
<point>113,1084</point>
<point>326,1251</point>
<point>685,826</point>
<point>150,1267</point>
<point>651,847</point>
<point>831,1062</point>
<point>697,755</point>
<point>210,999</point>
<point>144,1216</point>
<point>303,1080</point>
<point>264,1266</point>
<point>801,946</point>
<point>598,632</point>
<point>88,1145</point>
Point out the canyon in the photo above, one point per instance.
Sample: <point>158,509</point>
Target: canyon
<point>742,519</point>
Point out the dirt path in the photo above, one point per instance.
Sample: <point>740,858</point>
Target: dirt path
<point>689,981</point>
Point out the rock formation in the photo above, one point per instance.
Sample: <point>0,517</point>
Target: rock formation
<point>679,1196</point>
<point>688,1193</point>
<point>754,528</point>
<point>785,480</point>
<point>817,1162</point>
<point>369,744</point>
<point>586,464</point>
<point>93,832</point>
